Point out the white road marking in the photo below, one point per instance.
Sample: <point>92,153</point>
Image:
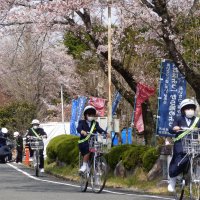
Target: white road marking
<point>77,186</point>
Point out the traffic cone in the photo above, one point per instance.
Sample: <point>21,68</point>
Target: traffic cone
<point>27,153</point>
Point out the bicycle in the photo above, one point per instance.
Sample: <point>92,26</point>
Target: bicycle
<point>98,169</point>
<point>36,144</point>
<point>188,186</point>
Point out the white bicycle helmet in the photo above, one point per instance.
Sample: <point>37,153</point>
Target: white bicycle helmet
<point>35,121</point>
<point>187,102</point>
<point>16,134</point>
<point>4,130</point>
<point>89,109</point>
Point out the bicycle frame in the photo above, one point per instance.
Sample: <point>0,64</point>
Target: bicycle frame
<point>191,148</point>
<point>95,163</point>
<point>36,145</point>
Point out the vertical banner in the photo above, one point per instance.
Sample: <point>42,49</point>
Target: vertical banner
<point>115,103</point>
<point>172,92</point>
<point>73,117</point>
<point>77,110</point>
<point>99,104</point>
<point>142,94</point>
<point>81,105</point>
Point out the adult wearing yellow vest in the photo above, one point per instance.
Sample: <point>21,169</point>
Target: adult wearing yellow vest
<point>36,131</point>
<point>183,122</point>
<point>85,128</point>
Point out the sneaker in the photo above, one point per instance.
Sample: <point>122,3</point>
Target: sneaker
<point>42,170</point>
<point>83,168</point>
<point>172,184</point>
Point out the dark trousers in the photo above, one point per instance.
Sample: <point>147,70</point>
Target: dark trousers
<point>179,162</point>
<point>19,156</point>
<point>41,159</point>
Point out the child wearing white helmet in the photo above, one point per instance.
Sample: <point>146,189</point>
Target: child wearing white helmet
<point>3,132</point>
<point>88,125</point>
<point>186,120</point>
<point>37,131</point>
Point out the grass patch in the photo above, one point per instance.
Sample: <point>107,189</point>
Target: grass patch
<point>134,182</point>
<point>67,172</point>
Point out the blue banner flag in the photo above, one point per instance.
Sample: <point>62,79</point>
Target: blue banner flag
<point>77,110</point>
<point>73,117</point>
<point>172,92</point>
<point>81,105</point>
<point>115,103</point>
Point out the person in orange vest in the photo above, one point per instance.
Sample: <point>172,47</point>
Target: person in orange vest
<point>36,131</point>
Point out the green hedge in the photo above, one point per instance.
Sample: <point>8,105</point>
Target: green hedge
<point>115,155</point>
<point>64,148</point>
<point>149,158</point>
<point>133,156</point>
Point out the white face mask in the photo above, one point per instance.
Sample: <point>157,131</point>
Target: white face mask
<point>189,113</point>
<point>35,127</point>
<point>90,119</point>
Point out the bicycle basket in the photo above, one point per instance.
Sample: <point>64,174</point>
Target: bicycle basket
<point>36,144</point>
<point>191,143</point>
<point>97,144</point>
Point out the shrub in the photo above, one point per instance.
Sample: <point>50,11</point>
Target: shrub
<point>52,147</point>
<point>149,158</point>
<point>63,148</point>
<point>133,157</point>
<point>68,151</point>
<point>115,155</point>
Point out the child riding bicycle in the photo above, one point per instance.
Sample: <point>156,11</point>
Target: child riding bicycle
<point>36,131</point>
<point>85,128</point>
<point>187,120</point>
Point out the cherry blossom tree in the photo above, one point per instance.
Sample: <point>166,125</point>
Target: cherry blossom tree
<point>144,32</point>
<point>34,68</point>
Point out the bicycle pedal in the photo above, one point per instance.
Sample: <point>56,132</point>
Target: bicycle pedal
<point>82,173</point>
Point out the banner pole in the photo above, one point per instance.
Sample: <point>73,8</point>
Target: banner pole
<point>132,118</point>
<point>157,117</point>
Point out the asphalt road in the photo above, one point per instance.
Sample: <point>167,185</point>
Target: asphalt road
<point>18,183</point>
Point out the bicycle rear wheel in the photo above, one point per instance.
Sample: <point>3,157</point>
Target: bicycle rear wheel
<point>99,173</point>
<point>195,180</point>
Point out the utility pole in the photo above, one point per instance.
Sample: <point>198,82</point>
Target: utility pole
<point>62,103</point>
<point>109,70</point>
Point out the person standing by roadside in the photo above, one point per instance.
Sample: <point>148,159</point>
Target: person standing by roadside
<point>19,146</point>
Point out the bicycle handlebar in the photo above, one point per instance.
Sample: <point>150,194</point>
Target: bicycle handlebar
<point>35,138</point>
<point>94,134</point>
<point>188,129</point>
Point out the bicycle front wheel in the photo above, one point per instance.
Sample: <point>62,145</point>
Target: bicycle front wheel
<point>195,180</point>
<point>99,173</point>
<point>83,177</point>
<point>180,189</point>
<point>83,182</point>
<point>36,162</point>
